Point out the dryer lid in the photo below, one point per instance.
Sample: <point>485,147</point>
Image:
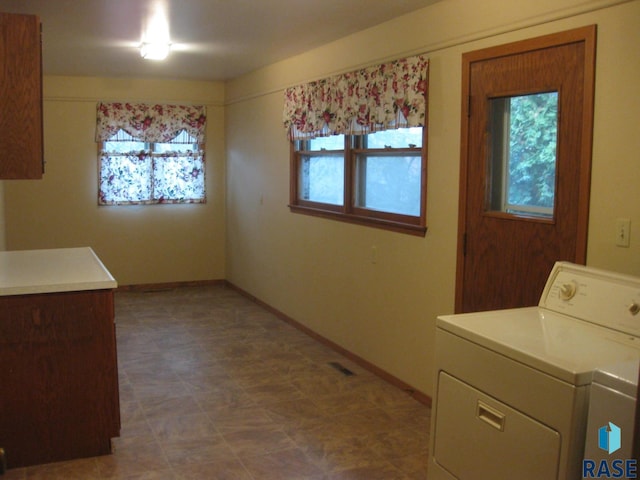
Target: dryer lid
<point>559,345</point>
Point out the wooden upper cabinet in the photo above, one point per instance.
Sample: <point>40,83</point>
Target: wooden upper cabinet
<point>21,133</point>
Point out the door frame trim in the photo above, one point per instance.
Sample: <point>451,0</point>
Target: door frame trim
<point>585,34</point>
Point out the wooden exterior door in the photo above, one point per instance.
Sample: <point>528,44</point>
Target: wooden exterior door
<point>508,242</point>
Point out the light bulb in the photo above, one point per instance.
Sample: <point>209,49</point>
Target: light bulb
<point>156,41</point>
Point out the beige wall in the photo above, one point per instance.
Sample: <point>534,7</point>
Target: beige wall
<point>319,272</point>
<point>146,244</point>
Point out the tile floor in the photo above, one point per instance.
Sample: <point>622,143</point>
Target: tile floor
<point>212,386</point>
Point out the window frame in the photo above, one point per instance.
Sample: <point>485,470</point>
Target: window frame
<point>349,212</point>
<point>498,199</point>
<point>154,155</point>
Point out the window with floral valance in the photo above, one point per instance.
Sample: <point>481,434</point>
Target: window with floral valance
<point>358,146</point>
<point>149,123</point>
<point>386,96</point>
<point>150,153</point>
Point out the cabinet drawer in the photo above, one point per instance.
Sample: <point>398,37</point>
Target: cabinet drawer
<point>477,436</point>
<point>47,319</point>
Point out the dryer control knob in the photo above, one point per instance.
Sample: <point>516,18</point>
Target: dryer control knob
<point>568,290</point>
<point>634,308</point>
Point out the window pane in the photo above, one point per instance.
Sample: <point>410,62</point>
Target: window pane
<point>524,132</point>
<point>179,178</point>
<point>389,183</point>
<point>124,178</point>
<point>175,147</point>
<point>334,142</point>
<point>124,147</point>
<point>184,137</point>
<point>322,179</point>
<point>398,138</point>
<point>134,172</point>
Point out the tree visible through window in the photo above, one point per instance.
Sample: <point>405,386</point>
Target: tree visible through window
<point>533,139</point>
<point>523,153</point>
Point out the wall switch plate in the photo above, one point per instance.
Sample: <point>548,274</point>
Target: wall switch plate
<point>623,231</point>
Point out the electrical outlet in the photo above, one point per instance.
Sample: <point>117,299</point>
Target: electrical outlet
<point>623,231</point>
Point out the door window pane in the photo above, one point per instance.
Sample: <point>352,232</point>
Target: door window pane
<point>524,136</point>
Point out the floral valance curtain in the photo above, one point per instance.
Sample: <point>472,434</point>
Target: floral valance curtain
<point>149,123</point>
<point>391,95</point>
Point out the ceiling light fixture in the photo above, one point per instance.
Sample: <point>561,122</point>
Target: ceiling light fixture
<point>155,43</point>
<point>154,51</point>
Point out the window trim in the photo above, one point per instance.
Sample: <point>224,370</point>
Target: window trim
<point>409,224</point>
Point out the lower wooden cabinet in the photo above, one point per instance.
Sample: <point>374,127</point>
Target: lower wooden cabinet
<point>59,395</point>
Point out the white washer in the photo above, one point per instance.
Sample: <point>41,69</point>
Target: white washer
<point>513,386</point>
<point>613,400</point>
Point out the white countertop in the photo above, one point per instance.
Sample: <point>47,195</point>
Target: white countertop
<point>25,272</point>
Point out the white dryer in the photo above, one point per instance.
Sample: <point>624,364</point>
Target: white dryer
<point>513,386</point>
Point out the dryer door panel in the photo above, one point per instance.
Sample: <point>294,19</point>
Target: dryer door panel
<point>479,437</point>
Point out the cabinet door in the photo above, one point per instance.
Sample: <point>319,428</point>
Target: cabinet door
<point>59,378</point>
<point>21,136</point>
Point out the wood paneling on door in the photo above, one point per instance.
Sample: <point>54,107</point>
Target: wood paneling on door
<point>506,251</point>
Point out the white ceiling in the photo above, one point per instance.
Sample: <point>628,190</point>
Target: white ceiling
<point>212,39</point>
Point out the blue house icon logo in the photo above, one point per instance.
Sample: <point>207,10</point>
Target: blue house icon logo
<point>609,441</point>
<point>609,438</point>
